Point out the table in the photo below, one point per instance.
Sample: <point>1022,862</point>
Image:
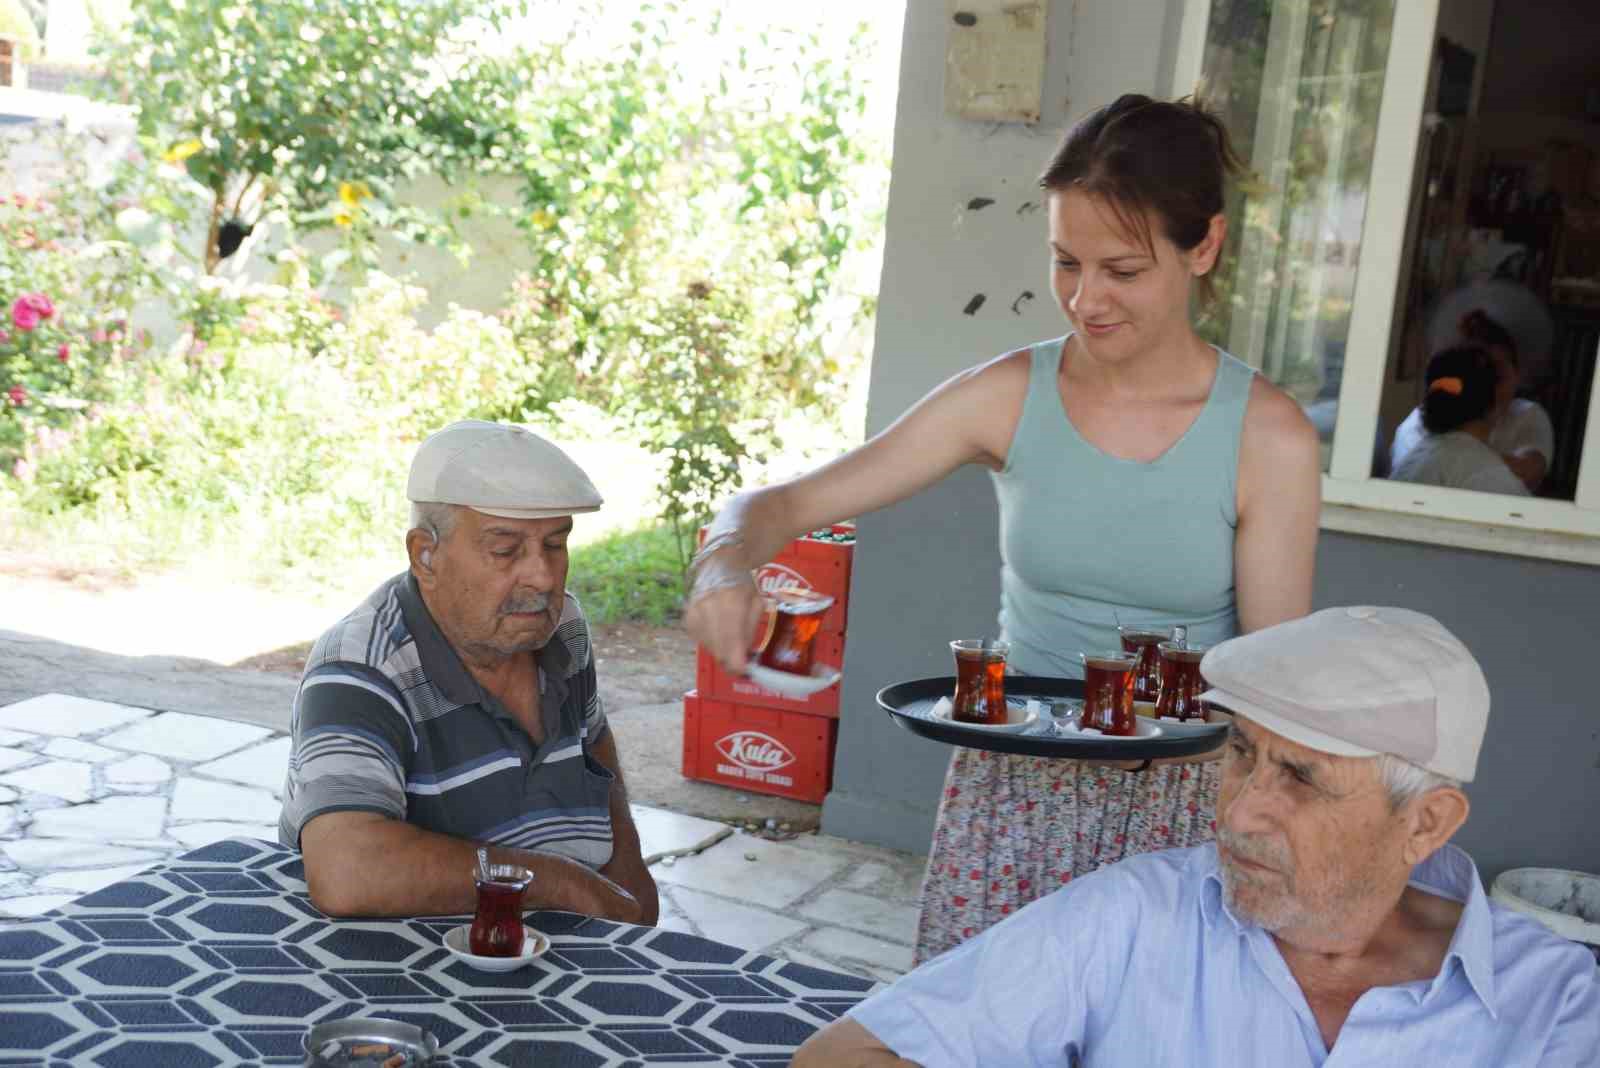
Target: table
<point>218,957</point>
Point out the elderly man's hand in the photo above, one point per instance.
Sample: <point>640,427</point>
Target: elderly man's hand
<point>574,888</point>
<point>365,864</point>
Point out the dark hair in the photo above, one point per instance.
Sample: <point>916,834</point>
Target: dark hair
<point>1144,158</point>
<point>1461,384</point>
<point>1478,329</point>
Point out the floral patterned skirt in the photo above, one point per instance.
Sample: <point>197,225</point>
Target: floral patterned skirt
<point>1013,828</point>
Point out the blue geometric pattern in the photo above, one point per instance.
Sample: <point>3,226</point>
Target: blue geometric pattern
<point>219,958</point>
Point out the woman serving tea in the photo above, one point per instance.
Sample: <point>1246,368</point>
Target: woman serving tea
<point>1143,477</point>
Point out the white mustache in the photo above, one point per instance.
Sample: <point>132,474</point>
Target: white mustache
<point>1250,849</point>
<point>536,603</point>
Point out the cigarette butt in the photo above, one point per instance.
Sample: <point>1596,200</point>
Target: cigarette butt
<point>397,1061</point>
<point>372,1050</point>
<point>329,1049</point>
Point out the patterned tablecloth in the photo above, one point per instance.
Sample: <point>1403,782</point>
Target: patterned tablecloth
<point>219,958</point>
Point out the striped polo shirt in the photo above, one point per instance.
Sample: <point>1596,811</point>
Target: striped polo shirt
<point>388,720</point>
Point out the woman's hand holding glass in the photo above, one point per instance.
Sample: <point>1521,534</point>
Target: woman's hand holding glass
<point>724,606</point>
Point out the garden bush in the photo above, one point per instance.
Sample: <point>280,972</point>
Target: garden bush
<point>688,226</point>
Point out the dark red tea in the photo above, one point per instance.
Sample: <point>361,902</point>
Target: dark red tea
<point>497,925</point>
<point>1145,644</point>
<point>980,682</point>
<point>1108,693</point>
<point>794,617</point>
<point>1181,684</point>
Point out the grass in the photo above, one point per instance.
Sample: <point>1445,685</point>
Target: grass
<point>629,574</point>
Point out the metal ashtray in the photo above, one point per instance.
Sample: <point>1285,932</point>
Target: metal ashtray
<point>369,1043</point>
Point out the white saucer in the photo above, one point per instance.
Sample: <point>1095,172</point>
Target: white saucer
<point>533,944</point>
<point>1186,728</point>
<point>940,713</point>
<point>1144,729</point>
<point>791,685</point>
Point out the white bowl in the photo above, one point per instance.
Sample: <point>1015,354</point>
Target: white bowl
<point>1567,902</point>
<point>533,945</point>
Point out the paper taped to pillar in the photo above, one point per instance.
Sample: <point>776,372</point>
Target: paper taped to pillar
<point>994,61</point>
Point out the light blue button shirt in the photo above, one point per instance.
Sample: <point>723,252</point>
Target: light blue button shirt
<point>1142,964</point>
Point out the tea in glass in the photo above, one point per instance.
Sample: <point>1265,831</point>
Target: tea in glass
<point>1144,643</point>
<point>1181,684</point>
<point>794,616</point>
<point>1108,693</point>
<point>980,682</point>
<point>497,925</point>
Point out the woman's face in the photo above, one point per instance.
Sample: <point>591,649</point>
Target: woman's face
<point>1124,300</point>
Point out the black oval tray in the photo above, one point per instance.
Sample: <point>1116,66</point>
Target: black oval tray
<point>910,704</point>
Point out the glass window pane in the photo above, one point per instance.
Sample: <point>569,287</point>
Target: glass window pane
<point>1298,84</point>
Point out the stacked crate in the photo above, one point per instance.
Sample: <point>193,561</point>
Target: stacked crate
<point>739,734</point>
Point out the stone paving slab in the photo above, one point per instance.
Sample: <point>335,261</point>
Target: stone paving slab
<point>865,912</point>
<point>182,736</point>
<point>195,835</point>
<point>662,832</point>
<point>261,765</point>
<point>201,799</point>
<point>67,716</point>
<point>69,780</point>
<point>747,868</point>
<point>72,749</point>
<point>746,926</point>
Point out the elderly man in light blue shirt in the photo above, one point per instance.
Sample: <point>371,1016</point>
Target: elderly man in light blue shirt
<point>1331,923</point>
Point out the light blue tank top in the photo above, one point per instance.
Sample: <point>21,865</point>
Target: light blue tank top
<point>1088,540</point>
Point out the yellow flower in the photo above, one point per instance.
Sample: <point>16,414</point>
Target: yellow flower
<point>182,150</point>
<point>353,193</point>
<point>542,219</point>
<point>344,219</point>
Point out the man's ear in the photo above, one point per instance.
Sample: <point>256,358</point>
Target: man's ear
<point>420,548</point>
<point>1432,820</point>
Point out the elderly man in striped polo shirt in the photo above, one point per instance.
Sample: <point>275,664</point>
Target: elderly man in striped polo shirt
<point>456,707</point>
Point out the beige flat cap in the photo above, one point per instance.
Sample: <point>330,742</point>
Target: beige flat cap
<point>499,469</point>
<point>1359,682</point>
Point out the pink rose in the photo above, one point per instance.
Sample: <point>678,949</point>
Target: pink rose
<point>18,395</point>
<point>30,309</point>
<point>22,471</point>
<point>99,337</point>
<point>64,352</point>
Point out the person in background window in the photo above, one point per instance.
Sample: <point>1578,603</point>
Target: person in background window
<point>1519,429</point>
<point>1456,413</point>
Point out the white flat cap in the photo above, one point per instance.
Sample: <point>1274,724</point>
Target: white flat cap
<point>1359,682</point>
<point>499,469</point>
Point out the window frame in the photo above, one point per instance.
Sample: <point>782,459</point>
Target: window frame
<point>1353,500</point>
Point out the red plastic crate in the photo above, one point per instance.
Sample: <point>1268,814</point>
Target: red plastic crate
<point>823,566</point>
<point>761,750</point>
<point>713,682</point>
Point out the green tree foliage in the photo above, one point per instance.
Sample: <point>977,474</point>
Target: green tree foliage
<point>689,225</point>
<point>318,107</point>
